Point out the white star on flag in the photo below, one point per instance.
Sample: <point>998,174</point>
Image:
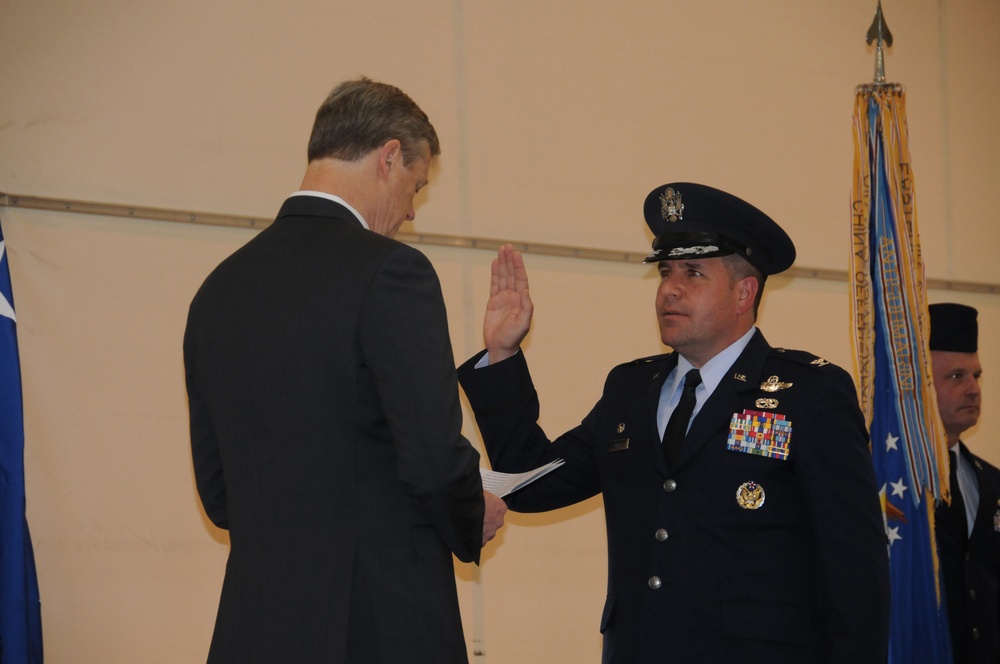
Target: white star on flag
<point>890,442</point>
<point>898,487</point>
<point>6,309</point>
<point>893,534</point>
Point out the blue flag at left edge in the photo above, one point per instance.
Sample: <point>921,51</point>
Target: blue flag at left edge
<point>20,607</point>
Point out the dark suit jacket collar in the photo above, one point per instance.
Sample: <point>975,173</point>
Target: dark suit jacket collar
<point>315,206</point>
<point>989,500</point>
<point>749,364</point>
<point>650,407</point>
<point>743,376</point>
<point>964,450</point>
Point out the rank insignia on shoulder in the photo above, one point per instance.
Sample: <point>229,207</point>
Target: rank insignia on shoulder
<point>820,362</point>
<point>647,359</point>
<point>773,384</point>
<point>766,403</point>
<point>760,433</point>
<point>750,496</point>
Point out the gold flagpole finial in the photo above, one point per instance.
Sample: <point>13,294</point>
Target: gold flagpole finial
<point>879,32</point>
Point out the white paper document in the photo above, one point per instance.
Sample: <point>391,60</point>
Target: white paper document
<point>504,483</point>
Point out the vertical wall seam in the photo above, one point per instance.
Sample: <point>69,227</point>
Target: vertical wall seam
<point>945,139</point>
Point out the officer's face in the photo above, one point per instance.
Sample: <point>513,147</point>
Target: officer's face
<point>701,307</point>
<point>956,381</point>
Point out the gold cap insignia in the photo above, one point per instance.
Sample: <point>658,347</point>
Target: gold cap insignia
<point>671,206</point>
<point>750,496</point>
<point>766,403</point>
<point>773,384</point>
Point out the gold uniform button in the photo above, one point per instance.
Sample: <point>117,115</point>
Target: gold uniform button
<point>661,535</point>
<point>655,583</point>
<point>669,485</point>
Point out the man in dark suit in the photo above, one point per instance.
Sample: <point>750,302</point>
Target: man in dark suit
<point>967,530</point>
<point>757,536</point>
<point>325,420</point>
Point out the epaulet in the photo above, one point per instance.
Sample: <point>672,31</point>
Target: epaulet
<point>984,466</point>
<point>800,357</point>
<point>647,360</point>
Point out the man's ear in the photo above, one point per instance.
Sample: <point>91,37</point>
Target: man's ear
<point>747,288</point>
<point>390,156</point>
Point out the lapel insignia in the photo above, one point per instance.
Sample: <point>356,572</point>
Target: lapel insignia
<point>621,427</point>
<point>750,496</point>
<point>773,384</point>
<point>766,403</point>
<point>759,433</point>
<point>820,362</point>
<point>740,377</point>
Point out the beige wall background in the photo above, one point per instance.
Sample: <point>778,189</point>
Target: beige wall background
<point>556,119</point>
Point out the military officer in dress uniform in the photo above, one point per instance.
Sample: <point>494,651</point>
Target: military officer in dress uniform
<point>743,517</point>
<point>968,530</point>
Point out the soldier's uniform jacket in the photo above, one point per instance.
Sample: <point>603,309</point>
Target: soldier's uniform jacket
<point>971,571</point>
<point>765,542</point>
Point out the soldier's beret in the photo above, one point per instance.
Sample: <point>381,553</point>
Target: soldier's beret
<point>954,328</point>
<point>692,220</point>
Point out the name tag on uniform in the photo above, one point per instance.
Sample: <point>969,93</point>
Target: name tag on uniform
<point>618,445</point>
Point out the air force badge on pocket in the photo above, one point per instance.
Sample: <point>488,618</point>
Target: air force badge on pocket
<point>750,496</point>
<point>761,433</point>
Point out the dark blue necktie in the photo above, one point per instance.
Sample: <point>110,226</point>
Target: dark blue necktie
<point>673,435</point>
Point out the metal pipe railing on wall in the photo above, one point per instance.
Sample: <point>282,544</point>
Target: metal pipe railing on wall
<point>457,241</point>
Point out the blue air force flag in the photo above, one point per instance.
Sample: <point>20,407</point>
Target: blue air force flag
<point>20,609</point>
<point>889,306</point>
